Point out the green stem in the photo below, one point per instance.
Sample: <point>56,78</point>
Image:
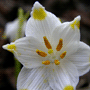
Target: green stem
<point>17,68</point>
<point>21,18</point>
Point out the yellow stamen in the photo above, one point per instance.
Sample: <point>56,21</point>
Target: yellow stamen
<point>41,53</point>
<point>47,62</point>
<point>60,45</point>
<point>50,51</point>
<point>39,14</point>
<point>47,43</point>
<point>57,62</point>
<point>69,87</point>
<point>63,54</point>
<point>11,47</point>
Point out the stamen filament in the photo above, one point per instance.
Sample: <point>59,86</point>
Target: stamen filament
<point>63,54</point>
<point>57,62</point>
<point>41,53</point>
<point>60,45</point>
<point>47,62</point>
<point>47,43</point>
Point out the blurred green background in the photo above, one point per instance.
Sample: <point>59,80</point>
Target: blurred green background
<point>67,10</point>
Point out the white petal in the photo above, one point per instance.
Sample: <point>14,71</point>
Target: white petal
<point>64,75</point>
<point>81,58</point>
<point>70,36</point>
<point>26,51</point>
<point>11,29</point>
<point>40,28</point>
<point>32,79</point>
<point>48,88</point>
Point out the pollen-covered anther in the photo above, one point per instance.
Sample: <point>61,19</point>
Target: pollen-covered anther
<point>60,45</point>
<point>48,45</point>
<point>39,13</point>
<point>63,54</point>
<point>41,53</point>
<point>47,62</point>
<point>57,62</point>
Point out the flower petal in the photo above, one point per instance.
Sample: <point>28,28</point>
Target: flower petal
<point>11,29</point>
<point>33,79</point>
<point>63,76</point>
<point>81,58</point>
<point>41,27</point>
<point>25,51</point>
<point>70,36</point>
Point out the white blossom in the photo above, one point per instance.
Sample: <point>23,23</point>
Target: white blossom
<point>52,53</point>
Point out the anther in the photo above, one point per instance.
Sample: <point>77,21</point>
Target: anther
<point>63,54</point>
<point>47,43</point>
<point>47,62</point>
<point>41,53</point>
<point>57,62</point>
<point>60,45</point>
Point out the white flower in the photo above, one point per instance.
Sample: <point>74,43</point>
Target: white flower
<point>11,29</point>
<point>54,51</point>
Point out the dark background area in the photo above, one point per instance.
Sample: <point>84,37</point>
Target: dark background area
<point>67,10</point>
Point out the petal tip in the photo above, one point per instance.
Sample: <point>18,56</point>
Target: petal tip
<point>76,22</point>
<point>38,11</point>
<point>37,5</point>
<point>4,47</point>
<point>78,18</point>
<point>9,47</point>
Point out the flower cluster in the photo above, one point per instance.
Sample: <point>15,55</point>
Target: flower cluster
<point>52,53</point>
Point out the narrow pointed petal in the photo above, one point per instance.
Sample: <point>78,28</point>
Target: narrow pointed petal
<point>41,23</point>
<point>63,76</point>
<point>25,51</point>
<point>32,79</point>
<point>70,36</point>
<point>81,59</point>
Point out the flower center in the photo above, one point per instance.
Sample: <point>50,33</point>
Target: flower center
<point>50,52</point>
